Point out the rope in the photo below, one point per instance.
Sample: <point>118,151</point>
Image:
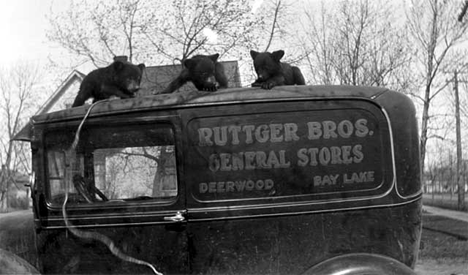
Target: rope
<point>93,235</point>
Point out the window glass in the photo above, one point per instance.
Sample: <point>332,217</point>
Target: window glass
<point>320,153</point>
<point>114,163</point>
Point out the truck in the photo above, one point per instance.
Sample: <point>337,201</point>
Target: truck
<point>293,180</point>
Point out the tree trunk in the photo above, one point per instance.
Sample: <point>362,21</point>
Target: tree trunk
<point>460,182</point>
<point>4,183</point>
<point>424,123</point>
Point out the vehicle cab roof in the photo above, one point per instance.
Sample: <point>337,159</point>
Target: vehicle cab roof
<point>220,97</point>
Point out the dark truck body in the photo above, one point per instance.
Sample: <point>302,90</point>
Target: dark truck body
<point>258,182</point>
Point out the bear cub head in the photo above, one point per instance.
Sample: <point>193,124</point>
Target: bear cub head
<point>202,69</point>
<point>127,76</point>
<point>267,64</point>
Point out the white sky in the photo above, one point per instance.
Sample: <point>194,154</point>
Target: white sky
<point>23,25</point>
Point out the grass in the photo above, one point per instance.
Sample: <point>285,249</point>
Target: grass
<point>444,239</point>
<point>17,234</point>
<point>445,201</point>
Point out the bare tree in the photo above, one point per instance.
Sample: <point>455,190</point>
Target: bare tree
<point>463,11</point>
<point>279,21</point>
<point>203,26</point>
<point>436,33</point>
<point>360,44</point>
<point>16,97</point>
<point>97,31</point>
<point>458,99</point>
<point>157,32</point>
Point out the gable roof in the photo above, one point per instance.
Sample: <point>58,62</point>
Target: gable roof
<point>62,95</point>
<point>157,78</point>
<point>154,80</point>
<point>73,80</point>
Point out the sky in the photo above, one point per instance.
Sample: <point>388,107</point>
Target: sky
<point>23,26</point>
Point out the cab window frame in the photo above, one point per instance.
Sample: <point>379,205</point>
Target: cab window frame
<point>171,124</point>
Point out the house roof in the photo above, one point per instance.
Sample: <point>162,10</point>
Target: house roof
<point>157,78</point>
<point>74,78</point>
<point>154,80</point>
<point>14,176</point>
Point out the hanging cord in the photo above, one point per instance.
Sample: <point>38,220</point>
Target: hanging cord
<point>88,234</point>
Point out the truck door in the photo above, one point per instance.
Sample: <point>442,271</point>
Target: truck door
<point>123,186</point>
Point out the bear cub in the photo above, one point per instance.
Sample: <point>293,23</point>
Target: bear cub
<point>271,72</point>
<point>121,79</point>
<point>204,71</point>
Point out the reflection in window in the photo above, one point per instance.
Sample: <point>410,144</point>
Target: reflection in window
<point>127,163</point>
<point>133,172</point>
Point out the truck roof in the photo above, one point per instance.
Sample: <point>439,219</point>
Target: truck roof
<point>224,96</point>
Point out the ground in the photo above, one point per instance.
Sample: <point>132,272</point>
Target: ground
<point>443,250</point>
<point>444,243</point>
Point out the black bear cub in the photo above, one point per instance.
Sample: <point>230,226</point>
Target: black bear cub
<point>204,71</point>
<point>121,79</point>
<point>271,72</point>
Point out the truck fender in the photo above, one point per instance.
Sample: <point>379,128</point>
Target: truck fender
<point>13,264</point>
<point>359,264</point>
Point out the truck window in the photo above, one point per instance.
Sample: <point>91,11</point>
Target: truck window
<point>112,163</point>
<point>320,153</point>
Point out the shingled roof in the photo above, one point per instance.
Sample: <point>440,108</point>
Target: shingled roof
<point>154,80</point>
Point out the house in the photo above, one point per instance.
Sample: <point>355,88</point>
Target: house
<point>62,98</point>
<point>154,80</point>
<point>13,183</point>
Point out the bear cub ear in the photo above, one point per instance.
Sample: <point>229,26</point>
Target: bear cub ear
<point>141,66</point>
<point>118,65</point>
<point>278,55</point>
<point>189,63</point>
<point>253,54</point>
<point>214,57</point>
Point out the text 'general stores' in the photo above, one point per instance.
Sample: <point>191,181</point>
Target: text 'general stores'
<point>233,135</point>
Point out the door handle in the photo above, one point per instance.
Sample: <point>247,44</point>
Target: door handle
<point>178,217</point>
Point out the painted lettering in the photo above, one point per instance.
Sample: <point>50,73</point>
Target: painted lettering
<point>235,186</point>
<point>248,134</point>
<point>328,129</point>
<point>248,129</point>
<point>361,127</point>
<point>250,160</point>
<point>345,129</point>
<point>290,132</point>
<point>204,137</point>
<point>307,156</point>
<point>276,135</point>
<point>262,133</point>
<point>330,155</point>
<point>358,155</point>
<point>359,177</point>
<point>326,180</point>
<point>315,130</point>
<point>220,135</point>
<point>234,132</point>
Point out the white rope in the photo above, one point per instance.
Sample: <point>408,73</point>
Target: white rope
<point>93,235</point>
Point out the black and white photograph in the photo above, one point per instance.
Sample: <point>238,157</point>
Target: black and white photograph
<point>234,137</point>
